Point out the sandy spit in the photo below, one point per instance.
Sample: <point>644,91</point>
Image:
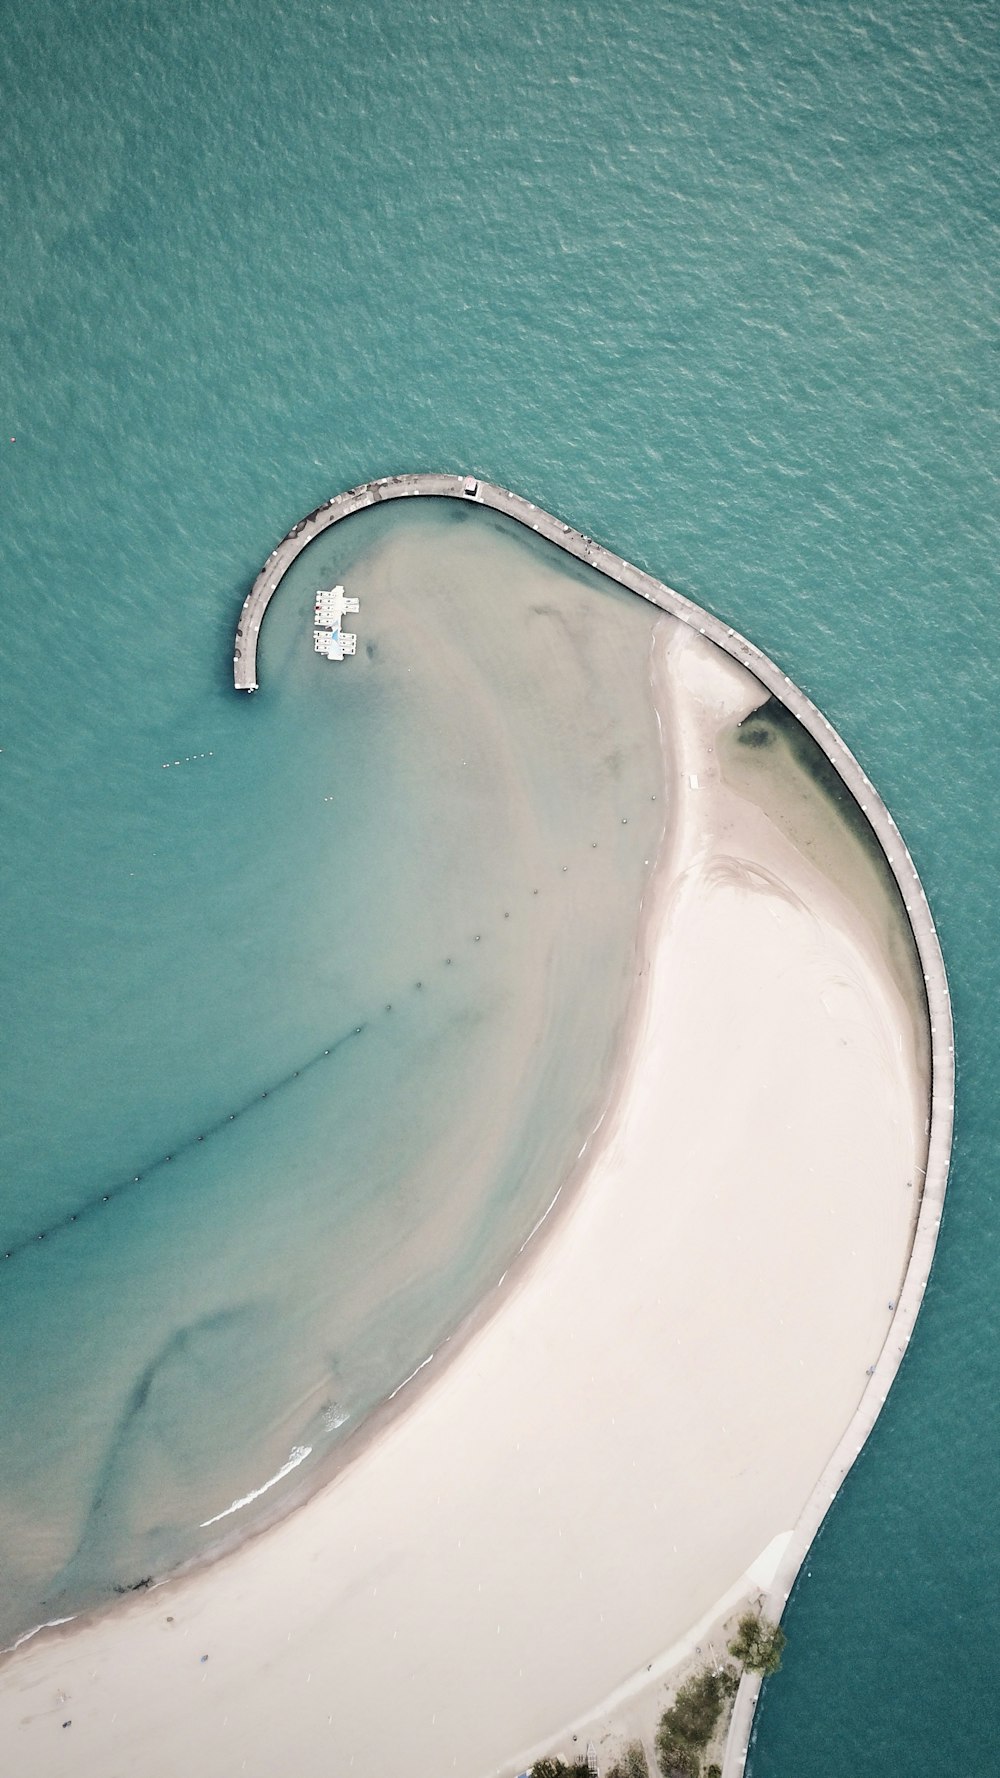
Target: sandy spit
<point>600,1466</point>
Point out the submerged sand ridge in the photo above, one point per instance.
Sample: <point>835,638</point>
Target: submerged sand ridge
<point>646,1414</point>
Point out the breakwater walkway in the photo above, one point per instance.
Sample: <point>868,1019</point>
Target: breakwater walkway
<point>475,493</point>
<point>942,1100</point>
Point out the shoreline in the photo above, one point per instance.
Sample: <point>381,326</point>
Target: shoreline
<point>407,1395</point>
<point>198,1595</point>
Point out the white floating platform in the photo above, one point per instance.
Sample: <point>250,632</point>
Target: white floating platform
<point>328,638</point>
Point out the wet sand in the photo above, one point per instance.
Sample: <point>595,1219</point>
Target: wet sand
<point>601,1463</point>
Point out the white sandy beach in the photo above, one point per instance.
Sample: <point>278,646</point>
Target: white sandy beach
<point>644,1415</point>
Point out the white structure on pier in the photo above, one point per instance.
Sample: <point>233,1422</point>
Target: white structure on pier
<point>328,637</point>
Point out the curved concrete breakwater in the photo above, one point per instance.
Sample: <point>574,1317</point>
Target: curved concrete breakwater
<point>472,491</point>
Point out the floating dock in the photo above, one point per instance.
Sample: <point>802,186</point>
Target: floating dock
<point>329,638</point>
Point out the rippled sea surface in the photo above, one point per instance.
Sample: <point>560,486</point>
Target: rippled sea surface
<point>711,282</point>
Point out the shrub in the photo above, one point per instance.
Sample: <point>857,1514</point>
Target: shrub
<point>553,1767</point>
<point>758,1644</point>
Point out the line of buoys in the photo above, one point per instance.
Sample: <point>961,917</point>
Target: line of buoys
<point>232,1116</point>
<point>189,759</point>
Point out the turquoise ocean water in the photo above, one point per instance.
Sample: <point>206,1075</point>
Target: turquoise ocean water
<point>713,283</point>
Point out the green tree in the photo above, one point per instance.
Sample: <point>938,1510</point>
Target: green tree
<point>676,1759</point>
<point>686,1729</point>
<point>758,1644</point>
<point>713,1772</point>
<point>632,1763</point>
<point>695,1710</point>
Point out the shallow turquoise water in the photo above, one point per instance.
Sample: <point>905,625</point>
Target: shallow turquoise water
<point>713,282</point>
<point>306,1050</point>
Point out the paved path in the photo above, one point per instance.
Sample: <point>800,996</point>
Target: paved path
<point>456,487</point>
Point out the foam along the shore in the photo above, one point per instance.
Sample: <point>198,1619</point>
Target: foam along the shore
<point>644,1415</point>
